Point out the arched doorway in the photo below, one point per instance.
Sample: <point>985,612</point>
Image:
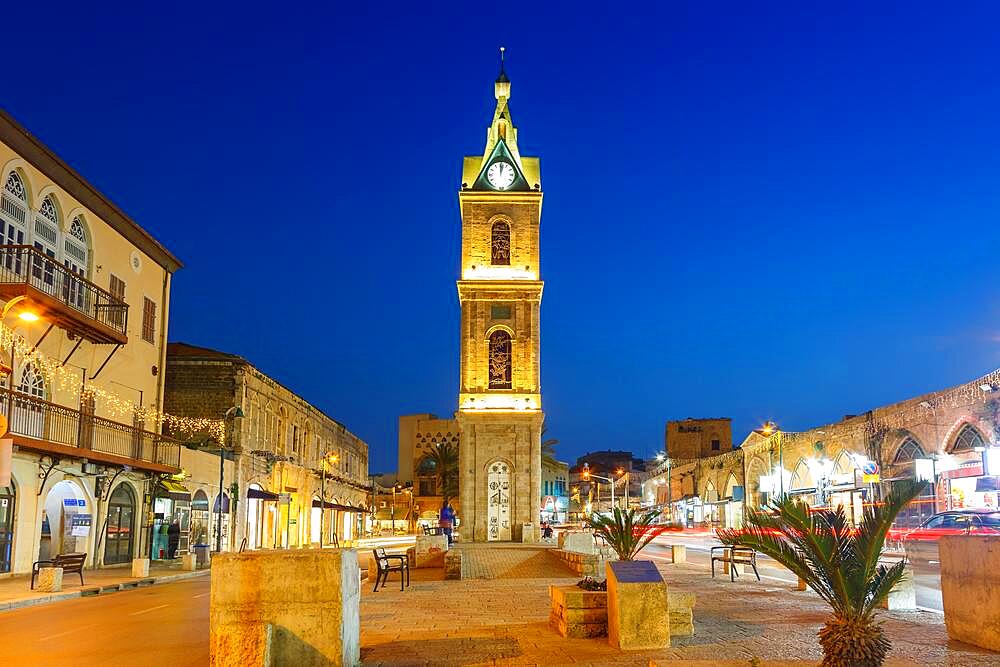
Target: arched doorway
<point>220,513</point>
<point>118,534</point>
<point>498,497</point>
<point>199,518</point>
<point>8,505</point>
<point>62,504</point>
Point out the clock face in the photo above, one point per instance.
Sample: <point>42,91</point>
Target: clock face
<point>500,175</point>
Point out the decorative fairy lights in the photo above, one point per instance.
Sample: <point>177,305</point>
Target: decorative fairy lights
<point>70,382</point>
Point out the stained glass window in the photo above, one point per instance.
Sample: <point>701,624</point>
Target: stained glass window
<point>500,244</point>
<point>500,360</point>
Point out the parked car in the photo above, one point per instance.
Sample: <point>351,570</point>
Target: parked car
<point>921,543</point>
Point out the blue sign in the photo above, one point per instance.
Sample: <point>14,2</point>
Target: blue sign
<point>74,502</point>
<point>869,468</point>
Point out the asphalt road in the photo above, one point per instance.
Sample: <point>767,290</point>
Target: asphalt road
<point>927,577</point>
<point>164,624</point>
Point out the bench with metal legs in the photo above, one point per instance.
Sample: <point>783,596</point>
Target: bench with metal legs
<point>386,563</point>
<point>732,556</point>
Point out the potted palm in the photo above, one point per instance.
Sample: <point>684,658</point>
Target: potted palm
<point>628,532</point>
<point>837,561</point>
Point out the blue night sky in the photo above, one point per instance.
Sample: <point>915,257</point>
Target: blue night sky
<point>755,213</point>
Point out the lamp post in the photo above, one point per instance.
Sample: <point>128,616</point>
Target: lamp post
<point>392,510</point>
<point>231,413</point>
<point>587,475</point>
<point>331,458</point>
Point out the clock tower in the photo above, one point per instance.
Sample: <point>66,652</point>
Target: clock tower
<point>500,291</point>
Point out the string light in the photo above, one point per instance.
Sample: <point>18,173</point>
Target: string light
<point>68,381</point>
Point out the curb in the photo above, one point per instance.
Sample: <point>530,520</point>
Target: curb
<point>94,591</point>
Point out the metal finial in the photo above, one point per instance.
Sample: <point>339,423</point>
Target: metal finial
<point>502,49</point>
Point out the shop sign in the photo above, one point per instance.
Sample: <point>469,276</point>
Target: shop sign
<point>81,525</point>
<point>74,502</point>
<point>869,472</point>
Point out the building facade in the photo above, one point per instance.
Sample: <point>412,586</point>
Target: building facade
<point>555,491</point>
<point>500,293</point>
<point>285,450</point>
<point>948,438</point>
<point>697,438</point>
<point>86,294</point>
<point>418,435</point>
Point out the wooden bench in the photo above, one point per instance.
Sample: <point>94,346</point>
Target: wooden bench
<point>731,557</point>
<point>68,563</point>
<point>384,564</point>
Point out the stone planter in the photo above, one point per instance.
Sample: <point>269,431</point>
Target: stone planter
<point>578,613</point>
<point>584,613</point>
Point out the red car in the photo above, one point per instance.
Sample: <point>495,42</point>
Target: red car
<point>921,543</point>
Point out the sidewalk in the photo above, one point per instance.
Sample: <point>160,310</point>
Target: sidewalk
<point>504,620</point>
<point>16,591</point>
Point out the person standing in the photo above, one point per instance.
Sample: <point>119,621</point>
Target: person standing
<point>173,538</point>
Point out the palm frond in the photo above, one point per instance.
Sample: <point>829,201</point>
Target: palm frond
<point>883,580</point>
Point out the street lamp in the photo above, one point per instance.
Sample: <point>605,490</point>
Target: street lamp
<point>625,475</point>
<point>328,458</point>
<point>231,413</point>
<point>587,475</point>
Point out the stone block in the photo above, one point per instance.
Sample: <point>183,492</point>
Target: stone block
<point>189,562</point>
<point>904,596</point>
<point>678,553</point>
<point>530,533</point>
<point>453,564</point>
<point>681,609</point>
<point>430,550</point>
<point>578,541</point>
<point>310,597</point>
<point>49,579</point>
<point>970,588</point>
<point>638,612</point>
<point>140,567</point>
<point>578,613</point>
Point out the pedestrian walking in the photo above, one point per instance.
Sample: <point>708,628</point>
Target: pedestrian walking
<point>446,520</point>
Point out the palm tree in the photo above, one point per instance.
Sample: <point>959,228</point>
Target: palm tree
<point>838,562</point>
<point>549,449</point>
<point>445,458</point>
<point>626,532</point>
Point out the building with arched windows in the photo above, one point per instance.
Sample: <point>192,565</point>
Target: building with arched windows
<point>300,476</point>
<point>85,293</point>
<point>948,438</point>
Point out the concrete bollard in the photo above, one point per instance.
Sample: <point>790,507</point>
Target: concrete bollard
<point>904,596</point>
<point>140,567</point>
<point>678,553</point>
<point>189,562</point>
<point>970,588</point>
<point>310,598</point>
<point>49,579</point>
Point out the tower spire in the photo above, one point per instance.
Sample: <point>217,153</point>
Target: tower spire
<point>501,87</point>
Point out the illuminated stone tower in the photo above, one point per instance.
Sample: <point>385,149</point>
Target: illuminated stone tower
<point>500,401</point>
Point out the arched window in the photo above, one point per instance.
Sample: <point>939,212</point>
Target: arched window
<point>908,451</point>
<point>500,360</point>
<point>802,477</point>
<point>500,243</point>
<point>968,439</point>
<point>14,221</point>
<point>46,242</point>
<point>77,255</point>
<point>32,382</point>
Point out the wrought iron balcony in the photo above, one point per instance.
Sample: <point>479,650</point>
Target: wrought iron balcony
<point>62,296</point>
<point>55,429</point>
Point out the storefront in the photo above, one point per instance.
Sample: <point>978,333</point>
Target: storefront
<point>262,512</point>
<point>118,540</point>
<point>67,518</point>
<point>171,507</point>
<point>199,518</point>
<point>8,505</point>
<point>969,488</point>
<point>220,514</point>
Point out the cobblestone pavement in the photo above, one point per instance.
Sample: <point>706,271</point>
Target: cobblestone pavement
<point>503,620</point>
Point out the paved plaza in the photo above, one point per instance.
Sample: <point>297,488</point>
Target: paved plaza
<point>502,618</point>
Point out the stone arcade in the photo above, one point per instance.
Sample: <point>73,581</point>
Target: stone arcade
<point>499,403</point>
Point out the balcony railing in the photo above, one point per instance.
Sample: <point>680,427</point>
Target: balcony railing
<point>46,422</point>
<point>64,297</point>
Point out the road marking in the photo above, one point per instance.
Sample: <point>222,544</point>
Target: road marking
<point>145,611</point>
<point>201,595</point>
<point>63,634</point>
